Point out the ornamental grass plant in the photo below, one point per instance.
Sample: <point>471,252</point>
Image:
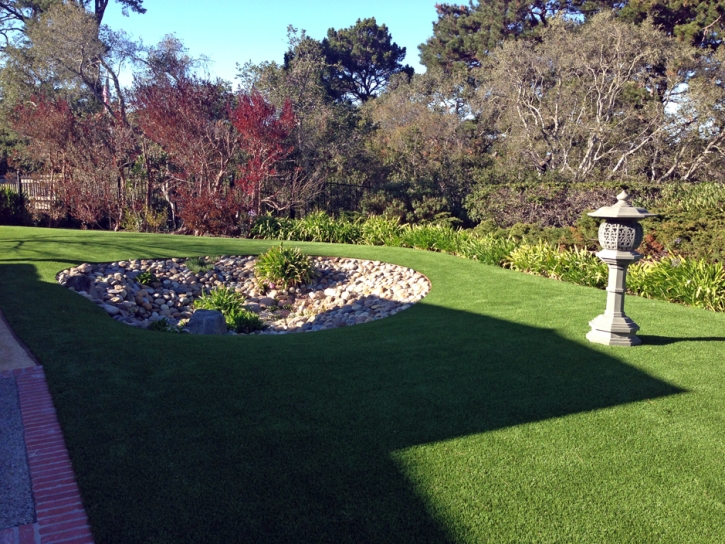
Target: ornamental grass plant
<point>314,227</point>
<point>380,231</point>
<point>242,320</point>
<point>284,267</point>
<point>487,249</point>
<point>200,264</point>
<point>231,305</point>
<point>687,281</point>
<point>223,299</point>
<point>430,237</point>
<point>571,265</point>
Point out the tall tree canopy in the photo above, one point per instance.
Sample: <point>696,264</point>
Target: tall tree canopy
<point>585,102</point>
<point>463,35</point>
<point>363,58</point>
<point>699,23</point>
<point>60,48</point>
<point>16,14</point>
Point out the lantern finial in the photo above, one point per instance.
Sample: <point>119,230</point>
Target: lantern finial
<point>621,210</point>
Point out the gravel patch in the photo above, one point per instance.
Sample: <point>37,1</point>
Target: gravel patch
<point>344,292</point>
<point>16,497</point>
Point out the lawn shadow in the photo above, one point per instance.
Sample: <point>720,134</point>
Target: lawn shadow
<point>654,340</point>
<point>289,438</point>
<point>65,242</point>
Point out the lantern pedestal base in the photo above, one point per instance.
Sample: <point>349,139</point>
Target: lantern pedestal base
<point>613,331</point>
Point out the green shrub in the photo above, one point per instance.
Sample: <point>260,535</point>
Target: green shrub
<point>220,298</point>
<point>243,320</point>
<point>488,249</point>
<point>163,325</point>
<point>693,234</point>
<point>200,264</point>
<point>12,207</point>
<point>548,200</point>
<point>380,231</point>
<point>583,234</point>
<point>694,282</point>
<point>383,204</point>
<point>691,221</point>
<point>284,266</point>
<point>146,278</point>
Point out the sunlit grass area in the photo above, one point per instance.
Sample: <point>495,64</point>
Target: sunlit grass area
<point>481,414</point>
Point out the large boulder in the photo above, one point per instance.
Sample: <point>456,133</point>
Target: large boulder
<point>82,283</point>
<point>207,322</point>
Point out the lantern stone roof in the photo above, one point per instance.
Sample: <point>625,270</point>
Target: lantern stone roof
<point>621,210</point>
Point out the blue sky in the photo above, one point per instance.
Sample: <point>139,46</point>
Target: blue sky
<point>231,31</point>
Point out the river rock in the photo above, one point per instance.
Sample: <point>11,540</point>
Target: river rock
<point>111,309</point>
<point>85,268</point>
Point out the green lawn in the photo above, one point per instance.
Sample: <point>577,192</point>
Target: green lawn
<point>481,414</point>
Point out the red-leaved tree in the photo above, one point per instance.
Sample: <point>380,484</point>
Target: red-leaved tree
<point>228,155</point>
<point>83,156</point>
<point>263,136</point>
<point>48,125</point>
<point>189,119</point>
<point>101,150</point>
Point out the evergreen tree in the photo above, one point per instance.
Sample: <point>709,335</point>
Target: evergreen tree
<point>699,23</point>
<point>363,58</point>
<point>463,35</point>
<point>16,14</point>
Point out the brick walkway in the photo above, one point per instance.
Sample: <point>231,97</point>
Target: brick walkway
<point>60,517</point>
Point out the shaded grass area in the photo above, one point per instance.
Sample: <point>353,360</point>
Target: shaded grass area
<point>480,414</point>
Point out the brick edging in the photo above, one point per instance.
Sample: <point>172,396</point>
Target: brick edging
<point>58,506</point>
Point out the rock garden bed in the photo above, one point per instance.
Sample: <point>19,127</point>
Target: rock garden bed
<point>343,292</point>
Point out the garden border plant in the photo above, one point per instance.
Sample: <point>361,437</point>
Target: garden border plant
<point>696,283</point>
<point>284,267</point>
<point>231,305</point>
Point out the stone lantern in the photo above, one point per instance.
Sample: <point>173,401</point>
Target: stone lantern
<point>620,235</point>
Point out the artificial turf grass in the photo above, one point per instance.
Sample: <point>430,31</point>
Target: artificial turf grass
<point>481,414</point>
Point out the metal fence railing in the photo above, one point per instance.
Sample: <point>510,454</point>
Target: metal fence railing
<point>335,197</point>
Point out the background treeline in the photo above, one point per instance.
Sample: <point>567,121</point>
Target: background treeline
<point>529,114</point>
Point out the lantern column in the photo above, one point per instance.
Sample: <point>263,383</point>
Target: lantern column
<point>620,235</point>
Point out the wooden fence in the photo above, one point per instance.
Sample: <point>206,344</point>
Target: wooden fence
<point>37,189</point>
<point>39,193</point>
